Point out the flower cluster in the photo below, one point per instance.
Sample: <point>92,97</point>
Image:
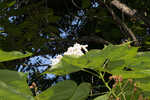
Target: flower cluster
<point>56,59</point>
<point>76,50</point>
<point>117,79</point>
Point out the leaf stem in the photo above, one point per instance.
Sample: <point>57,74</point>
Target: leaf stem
<point>106,84</point>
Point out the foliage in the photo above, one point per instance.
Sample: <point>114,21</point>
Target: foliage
<point>130,70</point>
<point>7,56</point>
<point>23,27</point>
<point>66,90</point>
<point>14,87</point>
<point>121,60</point>
<point>37,26</point>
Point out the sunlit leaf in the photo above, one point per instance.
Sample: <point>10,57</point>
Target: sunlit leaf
<point>102,97</point>
<point>13,86</point>
<point>81,92</point>
<point>66,90</point>
<point>122,60</point>
<point>12,3</point>
<point>12,55</point>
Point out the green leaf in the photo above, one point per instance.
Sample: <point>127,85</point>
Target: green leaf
<point>119,52</point>
<point>127,90</point>
<point>94,59</point>
<point>13,86</point>
<point>68,64</point>
<point>9,76</point>
<point>144,84</point>
<point>12,55</point>
<point>66,90</point>
<point>61,91</point>
<point>12,3</point>
<point>102,97</point>
<point>123,60</point>
<point>81,92</point>
<point>139,70</point>
<point>63,68</point>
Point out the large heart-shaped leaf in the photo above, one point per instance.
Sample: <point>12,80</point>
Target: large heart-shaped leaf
<point>66,90</point>
<point>13,86</point>
<point>68,64</point>
<point>93,59</point>
<point>122,60</point>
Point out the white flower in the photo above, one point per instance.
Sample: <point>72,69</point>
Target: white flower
<point>76,50</point>
<point>56,60</point>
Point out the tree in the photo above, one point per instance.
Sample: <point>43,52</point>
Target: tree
<point>38,26</point>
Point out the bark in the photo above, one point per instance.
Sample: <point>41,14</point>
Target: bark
<point>123,8</point>
<point>133,13</point>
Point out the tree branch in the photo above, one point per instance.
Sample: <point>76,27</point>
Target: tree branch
<point>123,8</point>
<point>95,39</point>
<point>130,12</point>
<point>120,23</point>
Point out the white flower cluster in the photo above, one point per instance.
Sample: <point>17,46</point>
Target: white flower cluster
<point>76,50</point>
<point>56,59</point>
